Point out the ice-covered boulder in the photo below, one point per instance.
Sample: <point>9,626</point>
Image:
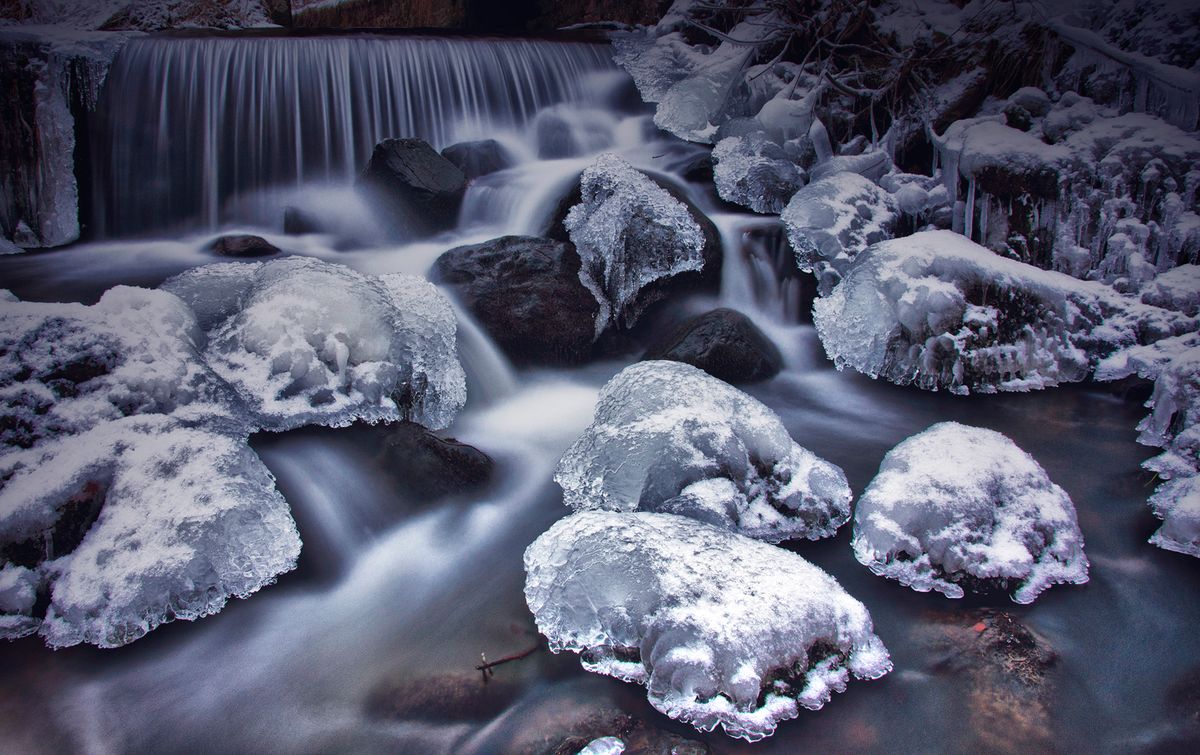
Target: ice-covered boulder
<point>65,368</point>
<point>723,630</point>
<point>831,220</point>
<point>629,233</point>
<point>958,506</point>
<point>667,436</point>
<point>309,342</point>
<point>134,523</point>
<point>1177,289</point>
<point>753,171</point>
<point>943,313</point>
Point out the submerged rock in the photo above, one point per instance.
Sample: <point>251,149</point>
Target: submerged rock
<point>478,158</point>
<point>431,467</point>
<point>723,630</point>
<point>244,245</point>
<point>669,437</point>
<point>958,507</point>
<point>724,343</point>
<point>526,293</point>
<point>412,179</point>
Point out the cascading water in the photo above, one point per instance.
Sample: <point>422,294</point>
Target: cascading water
<point>185,124</point>
<point>379,654</point>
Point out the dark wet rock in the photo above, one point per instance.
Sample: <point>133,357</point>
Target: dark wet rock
<point>1017,117</point>
<point>478,158</point>
<point>526,293</point>
<point>1010,670</point>
<point>422,189</point>
<point>725,344</point>
<point>243,245</point>
<point>430,466</point>
<point>458,696</point>
<point>297,222</point>
<point>699,169</point>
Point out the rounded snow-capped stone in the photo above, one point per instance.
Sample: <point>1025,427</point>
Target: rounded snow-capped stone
<point>723,630</point>
<point>957,506</point>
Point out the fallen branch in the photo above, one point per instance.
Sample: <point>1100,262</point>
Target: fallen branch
<point>485,666</point>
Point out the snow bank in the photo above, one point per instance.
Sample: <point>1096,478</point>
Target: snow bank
<point>140,521</point>
<point>669,437</point>
<point>831,220</point>
<point>629,233</point>
<point>957,506</point>
<point>65,368</point>
<point>722,630</point>
<point>309,342</point>
<point>943,313</point>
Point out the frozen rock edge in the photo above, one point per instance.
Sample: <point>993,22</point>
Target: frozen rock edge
<point>723,630</point>
<point>668,437</point>
<point>958,505</point>
<point>309,342</point>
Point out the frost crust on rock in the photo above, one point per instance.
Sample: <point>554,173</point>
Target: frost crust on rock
<point>958,505</point>
<point>667,436</point>
<point>753,171</point>
<point>941,312</point>
<point>140,521</point>
<point>309,342</point>
<point>629,233</point>
<point>723,630</point>
<point>831,220</point>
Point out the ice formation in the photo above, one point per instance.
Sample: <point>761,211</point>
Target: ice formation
<point>669,437</point>
<point>723,630</point>
<point>941,312</point>
<point>753,171</point>
<point>65,368</point>
<point>1177,289</point>
<point>959,506</point>
<point>136,522</point>
<point>309,342</point>
<point>629,233</point>
<point>831,220</point>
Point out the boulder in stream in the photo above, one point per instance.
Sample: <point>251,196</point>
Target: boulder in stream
<point>725,344</point>
<point>243,245</point>
<point>478,158</point>
<point>410,178</point>
<point>526,293</point>
<point>431,466</point>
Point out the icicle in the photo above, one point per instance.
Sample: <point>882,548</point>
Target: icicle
<point>969,210</point>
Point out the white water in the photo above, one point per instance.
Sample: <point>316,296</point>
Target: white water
<point>393,591</point>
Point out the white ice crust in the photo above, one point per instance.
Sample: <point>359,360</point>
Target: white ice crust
<point>723,630</point>
<point>629,232</point>
<point>184,519</point>
<point>958,505</point>
<point>938,311</point>
<point>753,171</point>
<point>667,436</point>
<point>309,342</point>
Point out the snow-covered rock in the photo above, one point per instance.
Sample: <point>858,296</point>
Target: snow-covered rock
<point>1174,425</point>
<point>723,630</point>
<point>309,342</point>
<point>65,368</point>
<point>831,220</point>
<point>669,437</point>
<point>150,15</point>
<point>1177,289</point>
<point>943,313</point>
<point>629,233</point>
<point>137,522</point>
<point>959,506</point>
<point>753,171</point>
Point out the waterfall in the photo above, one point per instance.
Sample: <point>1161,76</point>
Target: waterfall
<point>183,125</point>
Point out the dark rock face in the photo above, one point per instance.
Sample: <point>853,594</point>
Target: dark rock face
<point>479,158</point>
<point>297,222</point>
<point>526,293</point>
<point>432,467</point>
<point>413,181</point>
<point>725,344</point>
<point>243,245</point>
